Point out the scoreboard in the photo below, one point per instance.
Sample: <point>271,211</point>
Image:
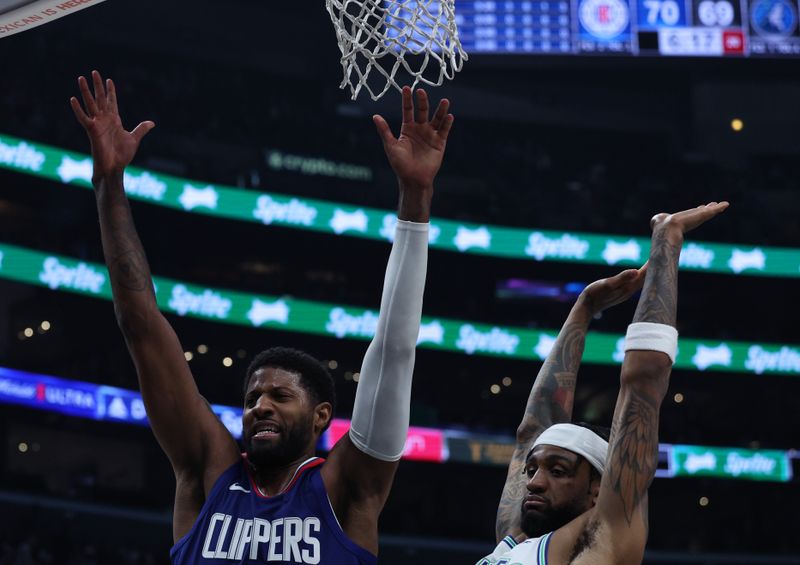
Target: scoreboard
<point>707,28</point>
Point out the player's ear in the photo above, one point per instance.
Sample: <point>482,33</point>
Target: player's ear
<point>594,487</point>
<point>594,484</point>
<point>323,412</point>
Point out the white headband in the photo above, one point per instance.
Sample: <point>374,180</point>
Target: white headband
<point>577,439</point>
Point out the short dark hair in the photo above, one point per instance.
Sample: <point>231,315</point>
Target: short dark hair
<point>314,376</point>
<point>602,431</point>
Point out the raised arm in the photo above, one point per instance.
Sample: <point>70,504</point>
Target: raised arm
<point>361,467</point>
<point>551,397</point>
<point>197,444</point>
<point>618,532</point>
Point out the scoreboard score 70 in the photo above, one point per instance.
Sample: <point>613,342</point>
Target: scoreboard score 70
<point>690,27</point>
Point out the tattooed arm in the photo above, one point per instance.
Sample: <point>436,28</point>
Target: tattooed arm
<point>620,526</point>
<point>550,400</point>
<point>197,444</point>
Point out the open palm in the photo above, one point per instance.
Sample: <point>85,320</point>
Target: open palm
<point>113,147</point>
<point>416,155</point>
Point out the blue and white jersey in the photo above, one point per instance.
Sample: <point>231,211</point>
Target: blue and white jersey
<point>238,524</point>
<point>532,551</point>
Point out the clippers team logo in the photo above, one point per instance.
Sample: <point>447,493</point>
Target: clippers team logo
<point>604,19</point>
<point>773,19</point>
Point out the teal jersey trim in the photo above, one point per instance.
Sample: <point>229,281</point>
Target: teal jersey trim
<point>544,543</point>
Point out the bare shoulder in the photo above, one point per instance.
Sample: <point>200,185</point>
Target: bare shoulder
<point>357,486</point>
<point>193,486</point>
<point>189,499</point>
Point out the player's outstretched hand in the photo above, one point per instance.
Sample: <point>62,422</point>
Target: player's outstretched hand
<point>680,223</point>
<point>113,148</point>
<point>605,293</point>
<point>417,154</point>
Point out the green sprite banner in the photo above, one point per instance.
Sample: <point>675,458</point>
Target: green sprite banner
<point>733,463</point>
<point>290,314</point>
<point>340,219</point>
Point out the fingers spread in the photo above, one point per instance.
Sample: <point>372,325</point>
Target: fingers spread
<point>112,96</point>
<point>421,115</point>
<point>441,113</point>
<point>78,111</point>
<point>142,130</point>
<point>99,91</point>
<point>384,131</point>
<point>444,131</point>
<point>88,99</point>
<point>408,106</point>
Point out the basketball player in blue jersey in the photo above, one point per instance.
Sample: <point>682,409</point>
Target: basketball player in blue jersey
<point>572,498</point>
<point>276,503</point>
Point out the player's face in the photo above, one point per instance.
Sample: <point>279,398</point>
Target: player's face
<point>560,488</point>
<point>278,419</point>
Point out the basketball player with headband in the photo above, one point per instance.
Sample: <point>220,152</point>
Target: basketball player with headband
<point>276,503</point>
<point>570,496</point>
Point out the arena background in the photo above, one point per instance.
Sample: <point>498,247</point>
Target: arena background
<point>245,95</point>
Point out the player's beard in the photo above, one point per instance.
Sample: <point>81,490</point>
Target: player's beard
<point>536,524</point>
<point>290,446</point>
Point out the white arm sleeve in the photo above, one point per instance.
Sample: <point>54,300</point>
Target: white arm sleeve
<point>383,399</point>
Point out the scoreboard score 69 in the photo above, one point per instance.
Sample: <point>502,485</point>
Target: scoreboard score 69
<point>708,28</point>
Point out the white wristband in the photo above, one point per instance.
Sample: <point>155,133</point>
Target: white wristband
<point>647,336</point>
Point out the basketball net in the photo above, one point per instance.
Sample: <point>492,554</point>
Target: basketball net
<point>378,38</point>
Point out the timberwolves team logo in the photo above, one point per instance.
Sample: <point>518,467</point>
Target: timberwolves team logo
<point>773,18</point>
<point>604,19</point>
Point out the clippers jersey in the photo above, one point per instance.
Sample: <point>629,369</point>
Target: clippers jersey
<point>237,524</point>
<point>532,551</point>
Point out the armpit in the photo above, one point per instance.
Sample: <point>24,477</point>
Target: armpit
<point>585,541</point>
